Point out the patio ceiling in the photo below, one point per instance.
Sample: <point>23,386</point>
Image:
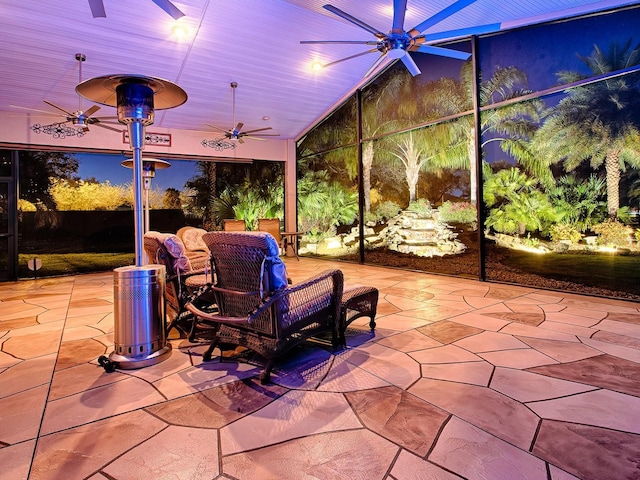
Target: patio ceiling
<point>255,43</point>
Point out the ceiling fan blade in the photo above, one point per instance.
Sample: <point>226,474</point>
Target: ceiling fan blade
<point>353,42</point>
<point>257,130</point>
<point>255,138</point>
<point>354,20</point>
<point>240,140</point>
<point>460,32</point>
<point>375,65</point>
<point>97,9</point>
<point>170,8</point>
<point>443,52</point>
<point>53,114</point>
<point>223,130</point>
<point>91,110</point>
<point>350,57</point>
<point>59,108</point>
<point>399,11</point>
<point>441,15</point>
<point>239,126</point>
<point>410,64</point>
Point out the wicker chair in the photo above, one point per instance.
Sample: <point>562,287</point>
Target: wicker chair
<point>184,276</point>
<point>258,310</point>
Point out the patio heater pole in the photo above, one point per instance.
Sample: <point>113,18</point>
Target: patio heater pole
<point>139,290</point>
<point>149,167</point>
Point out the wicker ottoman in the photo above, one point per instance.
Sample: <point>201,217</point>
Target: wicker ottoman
<point>357,302</point>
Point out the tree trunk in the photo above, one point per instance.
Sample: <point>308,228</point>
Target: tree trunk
<point>612,167</point>
<point>473,170</point>
<point>367,164</point>
<point>211,173</point>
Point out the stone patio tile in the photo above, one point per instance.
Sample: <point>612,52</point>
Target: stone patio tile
<point>399,417</point>
<point>568,328</point>
<point>483,322</point>
<point>349,455</point>
<point>81,332</point>
<point>304,369</point>
<point>615,339</point>
<point>281,420</point>
<point>600,408</point>
<point>20,414</point>
<point>27,375</point>
<point>388,364</point>
<point>504,292</point>
<point>447,331</point>
<point>411,467</point>
<point>566,316</point>
<point>347,377</point>
<point>444,354</point>
<point>204,376</point>
<point>409,341</point>
<point>99,403</point>
<point>16,460</point>
<point>633,318</point>
<point>627,353</point>
<point>474,454</point>
<point>532,319</point>
<point>604,371</point>
<point>529,387</point>
<point>588,452</point>
<point>78,452</point>
<point>53,314</point>
<point>550,298</point>
<point>481,302</point>
<point>434,313</point>
<point>558,474</point>
<point>621,328</point>
<point>178,452</point>
<point>476,373</point>
<point>560,350</point>
<point>77,352</point>
<point>521,358</point>
<point>489,342</point>
<point>80,378</point>
<point>489,410</point>
<point>400,323</point>
<point>403,303</point>
<point>218,406</point>
<point>520,330</point>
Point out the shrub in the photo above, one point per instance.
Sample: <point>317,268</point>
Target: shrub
<point>612,233</point>
<point>387,210</point>
<point>457,212</point>
<point>421,207</point>
<point>564,231</point>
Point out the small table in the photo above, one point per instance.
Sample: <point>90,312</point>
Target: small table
<point>291,240</point>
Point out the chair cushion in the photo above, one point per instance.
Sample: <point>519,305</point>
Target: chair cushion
<point>192,239</point>
<point>176,249</point>
<point>277,270</point>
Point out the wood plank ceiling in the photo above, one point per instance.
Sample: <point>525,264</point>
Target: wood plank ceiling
<point>255,43</point>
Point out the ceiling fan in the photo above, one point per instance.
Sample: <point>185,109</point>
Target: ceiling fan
<point>398,42</point>
<point>82,118</point>
<point>97,8</point>
<point>236,133</point>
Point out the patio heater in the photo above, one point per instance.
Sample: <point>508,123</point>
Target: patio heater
<point>149,167</point>
<point>139,290</point>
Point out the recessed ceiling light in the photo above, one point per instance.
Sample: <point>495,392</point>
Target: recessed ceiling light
<point>316,66</point>
<point>266,117</point>
<point>180,31</point>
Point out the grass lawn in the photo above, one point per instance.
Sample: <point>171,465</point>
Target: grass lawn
<point>69,263</point>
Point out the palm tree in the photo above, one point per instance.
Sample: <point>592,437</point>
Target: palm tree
<point>511,125</point>
<point>598,122</point>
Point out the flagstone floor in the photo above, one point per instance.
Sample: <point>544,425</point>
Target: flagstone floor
<point>461,379</point>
